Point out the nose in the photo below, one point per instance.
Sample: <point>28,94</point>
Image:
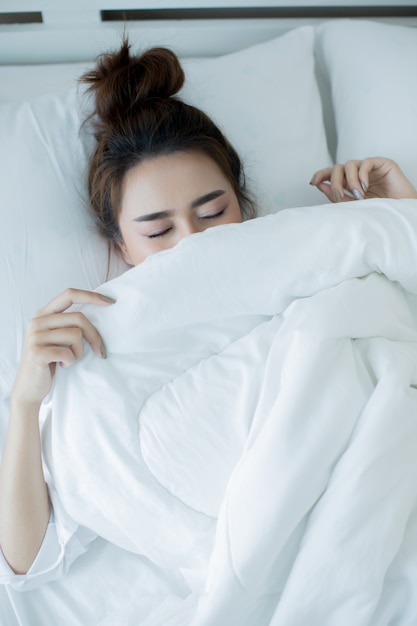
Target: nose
<point>188,227</point>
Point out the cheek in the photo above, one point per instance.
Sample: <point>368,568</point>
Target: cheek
<point>134,252</point>
<point>137,248</point>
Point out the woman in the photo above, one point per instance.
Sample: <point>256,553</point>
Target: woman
<point>161,171</point>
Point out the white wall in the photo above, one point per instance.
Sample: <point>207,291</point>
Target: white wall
<point>73,31</point>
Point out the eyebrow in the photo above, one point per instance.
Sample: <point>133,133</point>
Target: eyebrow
<point>207,198</point>
<point>158,215</point>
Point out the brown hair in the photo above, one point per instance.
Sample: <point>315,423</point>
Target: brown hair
<point>137,117</point>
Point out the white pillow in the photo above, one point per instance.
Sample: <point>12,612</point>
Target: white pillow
<point>372,68</point>
<point>25,82</point>
<point>265,98</point>
<point>267,101</point>
<point>47,239</point>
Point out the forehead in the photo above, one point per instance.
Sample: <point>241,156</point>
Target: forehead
<point>170,181</point>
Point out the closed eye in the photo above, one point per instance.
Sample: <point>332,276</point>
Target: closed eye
<point>213,216</point>
<point>161,234</point>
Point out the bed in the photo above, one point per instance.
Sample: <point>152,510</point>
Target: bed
<point>293,95</point>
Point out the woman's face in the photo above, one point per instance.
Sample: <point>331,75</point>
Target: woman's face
<point>169,197</point>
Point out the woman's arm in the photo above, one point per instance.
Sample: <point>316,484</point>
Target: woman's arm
<point>54,336</point>
<point>24,501</point>
<point>374,177</point>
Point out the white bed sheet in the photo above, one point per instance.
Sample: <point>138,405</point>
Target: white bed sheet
<point>100,584</point>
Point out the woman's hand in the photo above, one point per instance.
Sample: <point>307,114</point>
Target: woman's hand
<point>374,177</point>
<point>55,336</point>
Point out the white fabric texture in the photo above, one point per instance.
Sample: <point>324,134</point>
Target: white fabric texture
<point>96,590</point>
<point>373,89</point>
<point>57,553</point>
<point>19,83</point>
<point>253,428</point>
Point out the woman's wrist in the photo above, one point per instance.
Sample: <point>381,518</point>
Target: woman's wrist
<point>22,408</point>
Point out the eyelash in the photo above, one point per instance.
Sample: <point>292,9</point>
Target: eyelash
<point>205,217</point>
<point>212,217</point>
<point>159,234</point>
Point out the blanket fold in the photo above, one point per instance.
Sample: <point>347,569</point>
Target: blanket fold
<point>255,422</point>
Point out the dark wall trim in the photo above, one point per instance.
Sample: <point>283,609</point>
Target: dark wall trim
<point>35,17</point>
<point>25,17</point>
<point>258,12</point>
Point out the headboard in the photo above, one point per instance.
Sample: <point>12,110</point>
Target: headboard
<point>62,31</point>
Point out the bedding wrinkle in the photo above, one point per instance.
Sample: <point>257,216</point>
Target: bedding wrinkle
<point>59,154</point>
<point>14,321</point>
<point>74,159</point>
<point>374,529</point>
<point>256,441</point>
<point>17,301</point>
<point>16,612</point>
<point>220,420</point>
<point>42,132</point>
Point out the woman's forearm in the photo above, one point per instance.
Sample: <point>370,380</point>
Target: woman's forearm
<point>54,336</point>
<point>24,500</point>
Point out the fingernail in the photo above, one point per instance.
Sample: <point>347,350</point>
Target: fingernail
<point>103,352</point>
<point>364,187</point>
<point>357,194</point>
<point>337,196</point>
<point>107,299</point>
<point>312,180</point>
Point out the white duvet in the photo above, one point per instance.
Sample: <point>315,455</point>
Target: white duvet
<point>254,427</point>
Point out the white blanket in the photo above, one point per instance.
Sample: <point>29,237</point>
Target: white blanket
<point>255,424</point>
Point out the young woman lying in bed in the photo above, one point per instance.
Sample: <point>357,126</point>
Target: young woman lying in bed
<point>161,171</point>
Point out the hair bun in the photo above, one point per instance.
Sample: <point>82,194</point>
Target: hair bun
<point>122,82</point>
